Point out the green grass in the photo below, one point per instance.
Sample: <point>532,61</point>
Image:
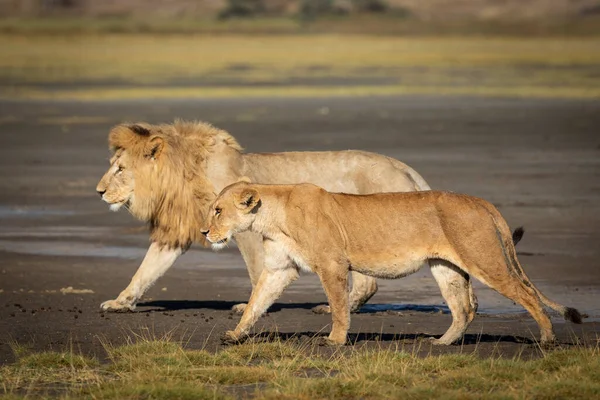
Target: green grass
<point>163,369</point>
<point>89,67</point>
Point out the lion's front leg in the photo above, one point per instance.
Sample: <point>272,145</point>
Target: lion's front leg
<point>270,286</point>
<point>363,288</point>
<point>250,245</point>
<point>157,261</point>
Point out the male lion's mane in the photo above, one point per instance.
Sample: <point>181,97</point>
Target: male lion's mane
<point>175,196</point>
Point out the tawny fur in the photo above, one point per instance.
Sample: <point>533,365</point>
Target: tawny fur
<point>167,175</point>
<point>386,235</point>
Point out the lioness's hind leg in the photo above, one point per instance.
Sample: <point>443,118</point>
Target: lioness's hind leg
<point>457,290</point>
<point>516,289</point>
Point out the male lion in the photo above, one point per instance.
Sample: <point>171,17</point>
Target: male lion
<point>168,175</point>
<point>384,235</point>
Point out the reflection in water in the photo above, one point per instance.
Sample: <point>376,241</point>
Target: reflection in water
<point>371,308</point>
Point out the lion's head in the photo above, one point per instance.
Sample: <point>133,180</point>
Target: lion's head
<point>233,211</point>
<point>158,173</point>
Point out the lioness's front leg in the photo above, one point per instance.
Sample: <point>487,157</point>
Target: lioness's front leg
<point>270,286</point>
<point>277,274</point>
<point>157,261</point>
<point>250,245</point>
<point>334,278</point>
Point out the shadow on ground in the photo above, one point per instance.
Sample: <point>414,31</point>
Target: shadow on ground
<point>354,338</point>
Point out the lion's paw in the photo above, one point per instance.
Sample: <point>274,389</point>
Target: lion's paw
<point>116,306</point>
<point>438,342</point>
<point>239,308</point>
<point>230,337</point>
<point>322,309</point>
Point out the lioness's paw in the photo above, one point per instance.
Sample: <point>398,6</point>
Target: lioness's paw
<point>326,341</point>
<point>230,337</point>
<point>114,305</point>
<point>322,309</point>
<point>239,308</point>
<point>550,344</point>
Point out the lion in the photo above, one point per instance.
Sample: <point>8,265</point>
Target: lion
<point>168,175</point>
<point>384,235</point>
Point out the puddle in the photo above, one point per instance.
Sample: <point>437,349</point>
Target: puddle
<point>51,248</point>
<point>194,258</point>
<point>28,212</point>
<point>373,308</point>
<point>54,231</point>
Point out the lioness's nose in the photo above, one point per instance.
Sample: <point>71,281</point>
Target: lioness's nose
<point>100,191</point>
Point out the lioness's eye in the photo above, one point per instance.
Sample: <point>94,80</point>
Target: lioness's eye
<point>217,211</point>
<point>119,170</point>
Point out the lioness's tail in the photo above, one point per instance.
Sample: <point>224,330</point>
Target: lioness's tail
<point>569,313</point>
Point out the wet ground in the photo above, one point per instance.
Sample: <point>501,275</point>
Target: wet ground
<point>62,252</point>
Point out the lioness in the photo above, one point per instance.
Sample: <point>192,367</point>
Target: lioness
<point>167,175</point>
<point>385,235</point>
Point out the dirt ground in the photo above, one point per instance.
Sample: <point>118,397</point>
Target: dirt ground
<point>537,160</point>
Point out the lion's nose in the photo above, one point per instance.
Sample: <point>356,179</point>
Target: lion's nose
<point>204,231</point>
<point>100,192</point>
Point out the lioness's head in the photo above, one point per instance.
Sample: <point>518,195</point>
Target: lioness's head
<point>233,211</point>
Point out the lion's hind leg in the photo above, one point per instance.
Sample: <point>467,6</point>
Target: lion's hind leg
<point>457,290</point>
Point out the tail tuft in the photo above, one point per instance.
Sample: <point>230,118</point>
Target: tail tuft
<point>572,315</point>
<point>518,235</point>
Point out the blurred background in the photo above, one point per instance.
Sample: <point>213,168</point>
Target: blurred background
<point>495,98</point>
<point>195,48</point>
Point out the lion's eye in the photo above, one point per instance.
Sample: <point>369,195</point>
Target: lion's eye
<point>217,211</point>
<point>119,170</point>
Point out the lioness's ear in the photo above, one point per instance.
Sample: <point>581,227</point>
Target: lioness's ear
<point>247,199</point>
<point>244,179</point>
<point>154,147</point>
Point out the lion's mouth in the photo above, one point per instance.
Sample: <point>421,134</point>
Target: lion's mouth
<point>117,206</point>
<point>218,244</point>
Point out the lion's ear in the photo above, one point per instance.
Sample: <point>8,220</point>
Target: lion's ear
<point>247,199</point>
<point>244,179</point>
<point>154,147</point>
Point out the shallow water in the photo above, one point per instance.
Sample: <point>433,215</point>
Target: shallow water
<point>28,212</point>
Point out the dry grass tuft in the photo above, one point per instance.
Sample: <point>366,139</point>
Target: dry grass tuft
<point>162,368</point>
